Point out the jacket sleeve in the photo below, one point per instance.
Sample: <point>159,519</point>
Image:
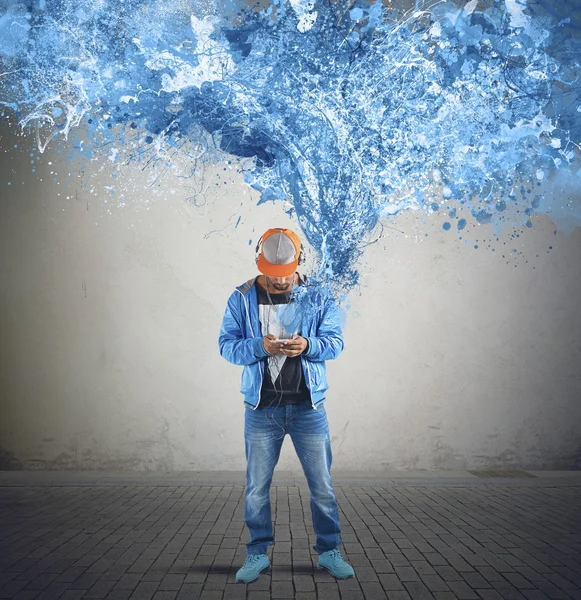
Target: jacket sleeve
<point>328,343</point>
<point>234,347</point>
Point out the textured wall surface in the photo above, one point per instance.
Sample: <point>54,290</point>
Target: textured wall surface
<point>455,357</point>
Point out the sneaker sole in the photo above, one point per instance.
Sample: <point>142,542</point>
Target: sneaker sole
<point>257,576</point>
<point>330,573</point>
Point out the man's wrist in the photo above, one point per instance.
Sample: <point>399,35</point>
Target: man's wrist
<point>262,348</point>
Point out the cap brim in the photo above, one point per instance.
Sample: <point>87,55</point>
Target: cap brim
<point>276,270</point>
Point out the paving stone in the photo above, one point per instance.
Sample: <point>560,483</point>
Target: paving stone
<point>506,590</point>
<point>282,573</point>
<point>444,596</point>
<point>448,573</point>
<point>460,565</point>
<point>84,581</point>
<point>304,583</point>
<point>145,590</point>
<point>366,574</point>
<point>382,565</point>
<point>192,591</point>
<point>404,542</point>
<point>359,560</point>
<point>475,580</point>
<point>535,595</point>
<point>376,553</point>
<point>569,574</point>
<point>54,590</point>
<point>518,581</point>
<point>233,591</point>
<point>10,589</point>
<point>462,590</point>
<point>216,595</point>
<point>407,574</point>
<point>489,594</point>
<point>560,581</point>
<point>423,567</point>
<point>490,574</point>
<point>391,582</point>
<point>398,560</point>
<point>435,559</point>
<point>100,589</point>
<point>529,573</point>
<point>435,583</point>
<point>418,591</point>
<point>282,589</point>
<point>372,591</point>
<point>551,590</point>
<point>129,581</point>
<point>355,594</point>
<point>116,594</point>
<point>41,581</point>
<point>413,554</point>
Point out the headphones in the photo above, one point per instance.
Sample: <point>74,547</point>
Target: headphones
<point>258,249</point>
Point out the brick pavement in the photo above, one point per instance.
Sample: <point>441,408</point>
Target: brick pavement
<point>178,542</point>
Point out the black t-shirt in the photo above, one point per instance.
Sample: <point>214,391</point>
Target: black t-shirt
<point>289,385</point>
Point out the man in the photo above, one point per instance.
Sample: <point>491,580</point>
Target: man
<point>284,384</point>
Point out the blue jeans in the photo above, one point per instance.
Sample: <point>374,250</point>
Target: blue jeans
<point>264,432</point>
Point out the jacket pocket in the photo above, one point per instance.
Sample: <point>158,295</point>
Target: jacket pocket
<point>315,374</point>
<point>246,383</point>
<point>250,377</point>
<point>319,376</point>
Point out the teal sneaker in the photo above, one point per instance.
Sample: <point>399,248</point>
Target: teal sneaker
<point>252,567</point>
<point>332,561</point>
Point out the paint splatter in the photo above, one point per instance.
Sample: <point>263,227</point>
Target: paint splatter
<point>351,111</point>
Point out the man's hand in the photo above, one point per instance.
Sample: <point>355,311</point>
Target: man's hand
<point>269,346</point>
<point>293,347</point>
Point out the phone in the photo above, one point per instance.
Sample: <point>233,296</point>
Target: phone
<point>278,341</point>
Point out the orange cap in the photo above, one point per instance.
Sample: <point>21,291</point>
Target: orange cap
<point>279,252</point>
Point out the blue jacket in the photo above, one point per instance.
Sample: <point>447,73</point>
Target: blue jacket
<point>240,342</point>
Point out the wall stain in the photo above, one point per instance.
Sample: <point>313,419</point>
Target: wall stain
<point>8,461</point>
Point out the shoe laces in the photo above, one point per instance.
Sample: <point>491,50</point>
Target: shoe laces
<point>335,555</point>
<point>252,558</point>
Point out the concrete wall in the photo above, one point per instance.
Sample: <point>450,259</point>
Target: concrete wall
<point>455,358</point>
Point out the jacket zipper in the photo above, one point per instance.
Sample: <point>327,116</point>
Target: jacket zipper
<point>309,378</point>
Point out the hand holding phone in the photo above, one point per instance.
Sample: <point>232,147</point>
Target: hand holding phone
<point>296,345</point>
<point>273,345</point>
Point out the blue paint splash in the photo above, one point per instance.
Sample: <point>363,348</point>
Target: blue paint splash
<point>352,112</point>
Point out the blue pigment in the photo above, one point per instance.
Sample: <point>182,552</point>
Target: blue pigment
<point>350,114</point>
